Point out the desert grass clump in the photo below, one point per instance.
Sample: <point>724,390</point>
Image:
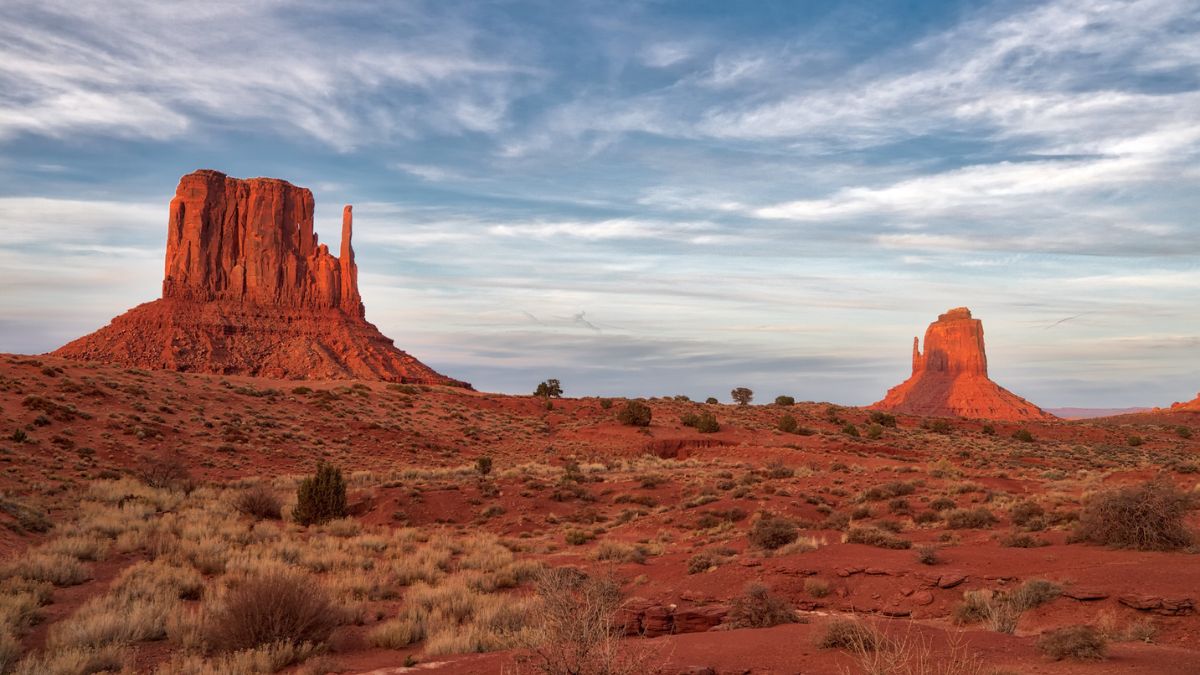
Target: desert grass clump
<point>56,568</point>
<point>73,661</point>
<point>1147,517</point>
<point>274,606</point>
<point>927,554</point>
<point>848,634</point>
<point>1033,593</point>
<point>817,588</point>
<point>772,532</point>
<point>757,607</point>
<point>1079,643</point>
<point>964,519</point>
<point>321,497</point>
<point>873,536</point>
<point>260,502</point>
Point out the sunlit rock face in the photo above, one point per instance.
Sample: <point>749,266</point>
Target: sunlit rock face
<point>248,289</point>
<point>950,378</point>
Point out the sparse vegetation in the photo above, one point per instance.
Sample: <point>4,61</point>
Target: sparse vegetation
<point>742,396</point>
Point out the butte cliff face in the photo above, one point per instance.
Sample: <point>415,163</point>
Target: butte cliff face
<point>248,289</point>
<point>950,378</point>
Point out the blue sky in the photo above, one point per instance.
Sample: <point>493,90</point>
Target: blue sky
<point>645,198</point>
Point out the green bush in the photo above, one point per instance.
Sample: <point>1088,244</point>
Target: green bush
<point>635,414</point>
<point>787,424</point>
<point>1134,441</point>
<point>850,430</point>
<point>321,497</point>
<point>883,419</point>
<point>707,423</point>
<point>711,400</point>
<point>606,403</point>
<point>742,396</point>
<point>1023,435</point>
<point>1183,432</point>
<point>785,400</point>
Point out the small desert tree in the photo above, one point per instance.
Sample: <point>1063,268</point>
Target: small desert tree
<point>742,395</point>
<point>321,497</point>
<point>549,389</point>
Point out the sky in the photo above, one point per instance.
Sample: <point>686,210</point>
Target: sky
<point>645,198</point>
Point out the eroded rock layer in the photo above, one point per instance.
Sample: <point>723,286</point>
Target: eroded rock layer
<point>248,289</point>
<point>950,378</point>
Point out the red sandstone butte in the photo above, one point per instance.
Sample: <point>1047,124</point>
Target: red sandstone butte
<point>249,290</point>
<point>950,379</point>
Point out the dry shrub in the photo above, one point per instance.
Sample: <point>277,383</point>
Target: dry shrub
<point>276,606</point>
<point>757,607</point>
<point>577,632</point>
<point>1147,517</point>
<point>1081,643</point>
<point>910,653</point>
<point>1033,593</point>
<point>259,501</point>
<point>772,532</point>
<point>849,634</point>
<point>166,473</point>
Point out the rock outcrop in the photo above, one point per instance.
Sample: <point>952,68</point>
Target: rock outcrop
<point>1192,405</point>
<point>950,378</point>
<point>248,289</point>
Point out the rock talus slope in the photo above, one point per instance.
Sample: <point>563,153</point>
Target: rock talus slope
<point>248,289</point>
<point>950,378</point>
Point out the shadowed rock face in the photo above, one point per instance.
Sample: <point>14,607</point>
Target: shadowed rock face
<point>950,378</point>
<point>248,289</point>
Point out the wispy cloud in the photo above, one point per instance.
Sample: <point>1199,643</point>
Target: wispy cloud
<point>67,67</point>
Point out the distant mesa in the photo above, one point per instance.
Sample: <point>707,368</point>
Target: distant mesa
<point>249,290</point>
<point>950,379</point>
